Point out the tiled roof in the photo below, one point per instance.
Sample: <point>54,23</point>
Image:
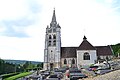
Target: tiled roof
<point>68,52</point>
<point>103,50</point>
<point>85,45</point>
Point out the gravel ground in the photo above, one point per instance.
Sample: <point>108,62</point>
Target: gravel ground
<point>115,75</point>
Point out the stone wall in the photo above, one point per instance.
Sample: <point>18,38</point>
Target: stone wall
<point>69,62</point>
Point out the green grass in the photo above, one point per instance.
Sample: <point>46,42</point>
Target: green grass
<point>18,76</point>
<point>8,75</point>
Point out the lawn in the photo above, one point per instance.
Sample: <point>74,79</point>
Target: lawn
<point>18,76</point>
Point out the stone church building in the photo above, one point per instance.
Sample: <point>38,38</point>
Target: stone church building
<point>56,56</point>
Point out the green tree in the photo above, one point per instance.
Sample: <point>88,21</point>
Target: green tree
<point>115,49</point>
<point>40,65</point>
<point>6,67</point>
<point>25,66</point>
<point>31,66</point>
<point>118,52</point>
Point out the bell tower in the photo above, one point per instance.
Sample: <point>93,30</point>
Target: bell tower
<point>52,45</point>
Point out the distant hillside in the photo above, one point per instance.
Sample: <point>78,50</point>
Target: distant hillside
<point>21,61</point>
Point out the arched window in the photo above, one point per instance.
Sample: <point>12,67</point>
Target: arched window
<point>73,61</point>
<point>54,43</point>
<point>49,43</point>
<point>54,36</point>
<point>50,37</point>
<point>65,61</point>
<point>86,56</point>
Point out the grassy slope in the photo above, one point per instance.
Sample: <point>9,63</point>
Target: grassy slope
<point>18,76</point>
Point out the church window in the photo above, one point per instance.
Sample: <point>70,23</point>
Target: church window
<point>86,56</point>
<point>54,37</point>
<point>54,43</point>
<point>73,61</point>
<point>65,61</point>
<point>49,43</point>
<point>50,37</point>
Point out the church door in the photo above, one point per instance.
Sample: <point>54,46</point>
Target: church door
<point>51,66</point>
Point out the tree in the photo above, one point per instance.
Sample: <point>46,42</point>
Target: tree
<point>118,52</point>
<point>6,67</point>
<point>40,65</point>
<point>115,49</point>
<point>30,66</point>
<point>25,66</point>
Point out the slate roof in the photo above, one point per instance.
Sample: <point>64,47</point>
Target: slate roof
<point>85,45</point>
<point>68,52</point>
<point>104,50</point>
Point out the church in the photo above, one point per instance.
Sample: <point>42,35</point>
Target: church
<point>56,56</point>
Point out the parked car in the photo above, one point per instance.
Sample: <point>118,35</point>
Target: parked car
<point>74,75</point>
<point>53,77</point>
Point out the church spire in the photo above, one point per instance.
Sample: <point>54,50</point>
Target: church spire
<point>53,22</point>
<point>54,16</point>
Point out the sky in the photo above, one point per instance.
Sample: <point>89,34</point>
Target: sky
<point>23,24</point>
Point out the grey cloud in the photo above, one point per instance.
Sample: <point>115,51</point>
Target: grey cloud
<point>30,19</point>
<point>11,32</point>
